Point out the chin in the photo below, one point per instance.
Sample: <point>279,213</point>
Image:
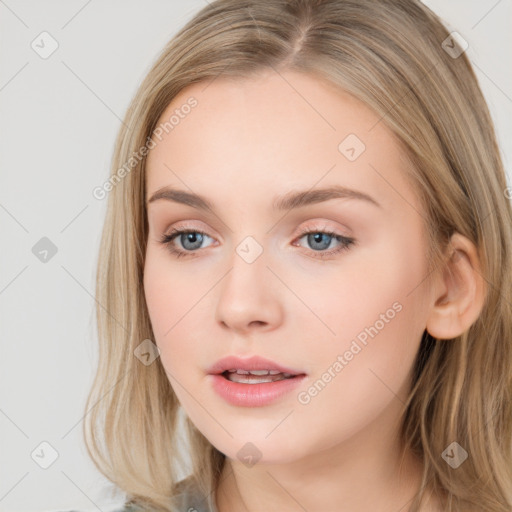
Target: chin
<point>258,450</point>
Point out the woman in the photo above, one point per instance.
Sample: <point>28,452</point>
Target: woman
<point>306,258</point>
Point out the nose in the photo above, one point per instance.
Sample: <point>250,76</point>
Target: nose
<point>249,297</point>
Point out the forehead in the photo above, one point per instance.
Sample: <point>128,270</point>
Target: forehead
<point>274,132</point>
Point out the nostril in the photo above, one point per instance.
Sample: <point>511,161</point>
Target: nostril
<point>258,322</point>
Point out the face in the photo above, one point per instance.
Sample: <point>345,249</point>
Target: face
<point>330,287</point>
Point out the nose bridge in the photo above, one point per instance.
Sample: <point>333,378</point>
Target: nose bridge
<point>248,274</point>
<point>247,294</point>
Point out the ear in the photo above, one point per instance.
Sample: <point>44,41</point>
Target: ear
<point>459,291</point>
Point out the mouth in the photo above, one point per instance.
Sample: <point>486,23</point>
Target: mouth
<point>250,369</point>
<point>254,381</point>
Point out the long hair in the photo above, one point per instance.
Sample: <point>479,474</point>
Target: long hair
<point>399,59</point>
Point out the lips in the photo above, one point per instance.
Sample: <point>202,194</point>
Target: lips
<point>254,363</point>
<point>242,389</point>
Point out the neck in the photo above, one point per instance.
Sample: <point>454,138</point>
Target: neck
<point>363,473</point>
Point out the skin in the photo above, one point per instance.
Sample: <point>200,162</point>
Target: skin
<point>244,144</point>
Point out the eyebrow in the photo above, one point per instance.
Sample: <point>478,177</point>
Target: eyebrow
<point>289,201</point>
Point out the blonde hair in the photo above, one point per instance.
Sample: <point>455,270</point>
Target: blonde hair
<point>389,54</point>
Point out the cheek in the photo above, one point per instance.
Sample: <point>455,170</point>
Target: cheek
<point>159,298</point>
<point>373,296</point>
<point>376,308</point>
<point>167,300</point>
<point>179,307</point>
<point>170,296</point>
<point>371,281</point>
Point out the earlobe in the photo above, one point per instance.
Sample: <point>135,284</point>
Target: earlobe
<point>459,292</point>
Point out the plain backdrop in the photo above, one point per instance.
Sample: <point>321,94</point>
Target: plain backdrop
<point>59,117</point>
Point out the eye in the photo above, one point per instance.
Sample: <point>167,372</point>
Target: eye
<point>190,240</point>
<point>320,240</point>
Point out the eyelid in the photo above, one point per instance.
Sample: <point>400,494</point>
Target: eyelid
<point>324,225</point>
<point>310,225</point>
<point>188,226</point>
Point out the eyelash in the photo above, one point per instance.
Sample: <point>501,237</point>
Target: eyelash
<point>167,240</point>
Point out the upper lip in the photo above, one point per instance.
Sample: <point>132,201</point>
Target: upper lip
<point>249,363</point>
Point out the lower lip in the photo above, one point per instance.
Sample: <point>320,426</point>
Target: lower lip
<point>253,395</point>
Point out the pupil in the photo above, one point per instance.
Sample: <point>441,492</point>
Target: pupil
<point>317,238</point>
<point>194,238</point>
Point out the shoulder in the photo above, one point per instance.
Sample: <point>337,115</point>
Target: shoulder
<point>126,508</point>
<point>189,497</point>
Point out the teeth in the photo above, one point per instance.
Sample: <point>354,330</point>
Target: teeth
<point>256,379</point>
<point>258,372</point>
<point>246,380</point>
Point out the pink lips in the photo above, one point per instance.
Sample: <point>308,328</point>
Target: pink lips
<point>251,363</point>
<point>252,395</point>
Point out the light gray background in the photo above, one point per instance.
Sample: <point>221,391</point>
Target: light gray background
<point>59,117</point>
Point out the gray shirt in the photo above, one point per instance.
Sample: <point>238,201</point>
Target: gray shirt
<point>192,500</point>
<point>189,500</point>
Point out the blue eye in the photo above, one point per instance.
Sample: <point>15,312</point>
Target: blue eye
<point>192,240</point>
<point>195,239</point>
<point>186,236</point>
<point>320,240</point>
